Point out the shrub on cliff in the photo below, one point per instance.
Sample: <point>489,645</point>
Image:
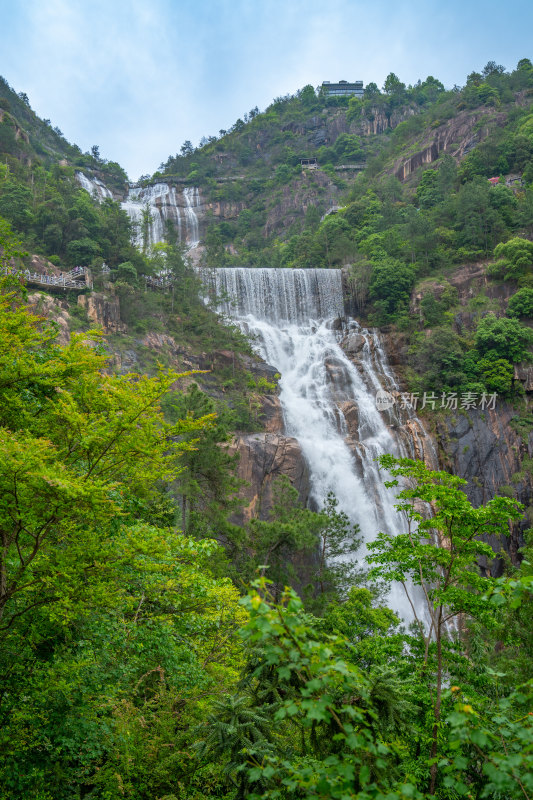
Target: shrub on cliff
<point>503,338</point>
<point>391,282</point>
<point>515,258</point>
<point>521,303</point>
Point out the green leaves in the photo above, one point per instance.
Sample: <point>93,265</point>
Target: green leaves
<point>503,338</point>
<point>72,436</point>
<point>327,698</point>
<point>500,739</point>
<point>440,551</point>
<point>516,257</point>
<point>109,626</point>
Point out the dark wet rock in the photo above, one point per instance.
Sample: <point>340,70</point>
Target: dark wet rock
<point>464,321</point>
<point>319,138</point>
<point>353,343</point>
<point>271,415</point>
<point>350,412</point>
<point>483,448</point>
<point>524,374</point>
<point>258,367</point>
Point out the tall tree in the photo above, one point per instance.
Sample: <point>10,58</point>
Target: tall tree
<point>441,554</point>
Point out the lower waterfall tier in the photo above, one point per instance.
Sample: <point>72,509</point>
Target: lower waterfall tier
<point>280,295</point>
<point>327,397</point>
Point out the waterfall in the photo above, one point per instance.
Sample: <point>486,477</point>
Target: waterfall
<point>94,186</point>
<point>192,201</point>
<point>164,203</point>
<point>328,399</point>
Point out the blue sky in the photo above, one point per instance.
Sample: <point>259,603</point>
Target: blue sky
<point>138,77</point>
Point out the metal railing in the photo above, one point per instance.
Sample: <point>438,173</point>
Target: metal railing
<point>77,278</point>
<point>66,280</point>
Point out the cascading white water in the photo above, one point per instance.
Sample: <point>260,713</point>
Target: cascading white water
<point>192,201</point>
<point>164,203</point>
<point>94,186</point>
<point>291,314</point>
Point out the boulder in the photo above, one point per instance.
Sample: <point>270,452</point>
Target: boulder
<point>271,416</point>
<point>103,310</point>
<point>353,343</point>
<point>263,457</point>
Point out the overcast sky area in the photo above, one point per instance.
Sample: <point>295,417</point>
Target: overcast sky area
<point>139,77</point>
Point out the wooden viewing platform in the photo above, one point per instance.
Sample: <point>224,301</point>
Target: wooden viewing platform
<point>77,278</point>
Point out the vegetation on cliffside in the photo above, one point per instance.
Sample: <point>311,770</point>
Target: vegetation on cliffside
<point>130,666</point>
<point>139,658</point>
<point>396,237</point>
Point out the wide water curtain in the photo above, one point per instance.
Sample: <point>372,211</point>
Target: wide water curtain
<point>328,400</point>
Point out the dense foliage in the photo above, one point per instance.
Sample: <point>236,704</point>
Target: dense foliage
<point>149,646</point>
<point>129,666</point>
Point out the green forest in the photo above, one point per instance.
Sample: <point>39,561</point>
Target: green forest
<point>151,648</point>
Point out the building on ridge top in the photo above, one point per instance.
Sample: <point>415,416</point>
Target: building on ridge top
<point>343,89</point>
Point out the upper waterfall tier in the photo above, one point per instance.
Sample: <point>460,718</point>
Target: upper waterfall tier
<point>280,295</point>
<point>164,204</point>
<point>94,186</point>
<point>151,208</point>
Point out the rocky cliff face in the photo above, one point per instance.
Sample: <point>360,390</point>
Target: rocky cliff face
<point>294,199</point>
<point>20,136</point>
<point>457,137</point>
<point>103,309</point>
<point>54,309</point>
<point>412,438</point>
<point>222,209</point>
<point>485,449</point>
<point>325,128</point>
<point>376,121</point>
<point>263,457</point>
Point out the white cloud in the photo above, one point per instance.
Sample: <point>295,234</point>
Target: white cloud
<point>138,77</point>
